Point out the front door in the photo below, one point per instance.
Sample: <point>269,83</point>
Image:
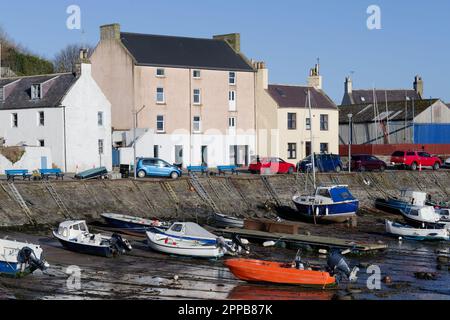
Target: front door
<point>179,155</point>
<point>44,163</point>
<point>205,155</point>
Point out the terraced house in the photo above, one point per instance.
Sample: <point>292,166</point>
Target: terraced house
<point>283,121</point>
<point>192,100</point>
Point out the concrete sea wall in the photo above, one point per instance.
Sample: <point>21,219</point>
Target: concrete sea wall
<point>244,195</point>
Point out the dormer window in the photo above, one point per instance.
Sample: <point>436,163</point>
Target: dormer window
<point>36,92</point>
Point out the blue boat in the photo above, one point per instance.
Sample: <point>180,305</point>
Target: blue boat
<point>329,204</point>
<point>133,224</point>
<point>18,259</point>
<point>75,236</point>
<point>404,203</point>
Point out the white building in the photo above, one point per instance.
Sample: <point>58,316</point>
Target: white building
<point>67,113</point>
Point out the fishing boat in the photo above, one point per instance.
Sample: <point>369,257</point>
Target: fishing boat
<point>407,199</point>
<point>183,247</point>
<point>131,223</point>
<point>224,221</point>
<point>18,259</point>
<point>409,232</point>
<point>188,231</point>
<point>420,216</point>
<point>75,236</point>
<point>332,203</point>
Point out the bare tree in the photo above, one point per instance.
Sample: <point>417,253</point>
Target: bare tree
<point>66,59</point>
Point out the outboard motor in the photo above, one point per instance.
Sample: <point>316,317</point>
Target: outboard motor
<point>338,266</point>
<point>27,257</point>
<point>120,244</point>
<point>238,242</point>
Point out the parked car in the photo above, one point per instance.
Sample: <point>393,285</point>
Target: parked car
<point>157,168</point>
<point>447,163</point>
<point>323,162</point>
<point>367,162</point>
<point>271,165</point>
<point>414,159</point>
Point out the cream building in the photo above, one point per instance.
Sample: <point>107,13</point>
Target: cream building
<point>283,121</point>
<point>194,99</point>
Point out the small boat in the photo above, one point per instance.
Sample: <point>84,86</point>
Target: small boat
<point>18,259</point>
<point>409,232</point>
<point>224,221</point>
<point>95,173</point>
<point>131,223</point>
<point>75,236</point>
<point>188,231</point>
<point>420,216</point>
<point>444,215</point>
<point>182,247</point>
<point>407,199</point>
<point>332,203</point>
<point>278,273</point>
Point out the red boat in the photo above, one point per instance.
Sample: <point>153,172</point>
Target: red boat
<point>278,273</point>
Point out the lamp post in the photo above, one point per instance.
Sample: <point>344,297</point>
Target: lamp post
<point>135,120</point>
<point>350,116</point>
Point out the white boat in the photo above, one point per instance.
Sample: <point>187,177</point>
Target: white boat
<point>176,246</point>
<point>224,221</point>
<point>188,231</point>
<point>75,236</point>
<point>19,259</point>
<point>437,234</point>
<point>420,216</point>
<point>444,215</point>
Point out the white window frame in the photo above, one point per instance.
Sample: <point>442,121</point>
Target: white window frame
<point>232,83</point>
<point>199,74</point>
<point>232,122</point>
<point>199,122</point>
<point>232,100</point>
<point>33,91</point>
<point>163,121</point>
<point>158,95</point>
<point>308,126</point>
<point>199,102</point>
<point>163,75</point>
<point>41,124</point>
<point>100,118</point>
<point>14,122</point>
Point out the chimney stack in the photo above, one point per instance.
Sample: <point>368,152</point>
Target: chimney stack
<point>233,40</point>
<point>348,85</point>
<point>262,74</point>
<point>110,32</point>
<point>418,86</point>
<point>315,79</point>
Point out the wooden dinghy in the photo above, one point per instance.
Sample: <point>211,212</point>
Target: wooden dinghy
<point>278,273</point>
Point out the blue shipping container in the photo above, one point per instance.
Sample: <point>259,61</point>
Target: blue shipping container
<point>435,133</point>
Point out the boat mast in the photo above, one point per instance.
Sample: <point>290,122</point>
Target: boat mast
<point>313,160</point>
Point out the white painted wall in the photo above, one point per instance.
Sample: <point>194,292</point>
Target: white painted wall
<point>218,146</point>
<point>83,102</point>
<point>31,160</point>
<point>29,131</point>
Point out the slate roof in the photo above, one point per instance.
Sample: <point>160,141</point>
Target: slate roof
<point>288,96</point>
<point>364,113</point>
<point>170,51</point>
<point>20,97</point>
<point>366,96</point>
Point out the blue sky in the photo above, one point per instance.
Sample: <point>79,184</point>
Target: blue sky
<point>287,35</point>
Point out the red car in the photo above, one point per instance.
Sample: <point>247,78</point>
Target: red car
<point>271,165</point>
<point>414,159</point>
<point>366,162</point>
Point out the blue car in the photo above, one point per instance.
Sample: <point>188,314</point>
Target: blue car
<point>323,162</point>
<point>155,167</point>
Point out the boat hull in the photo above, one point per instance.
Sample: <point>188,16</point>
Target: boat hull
<point>101,251</point>
<point>157,243</point>
<point>415,233</point>
<point>273,272</point>
<point>337,213</point>
<point>228,222</point>
<point>391,205</point>
<point>140,228</point>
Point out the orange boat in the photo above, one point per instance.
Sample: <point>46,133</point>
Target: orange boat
<point>278,273</point>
